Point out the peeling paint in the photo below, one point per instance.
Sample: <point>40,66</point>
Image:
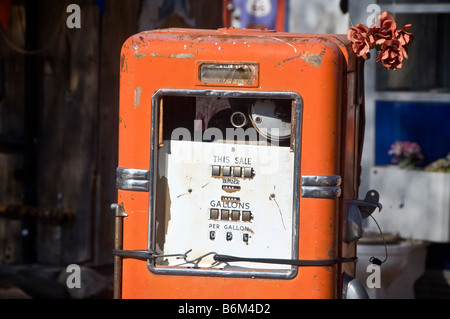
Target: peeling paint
<point>313,59</point>
<point>137,96</point>
<point>139,56</point>
<point>163,214</point>
<point>182,56</point>
<point>135,45</point>
<point>122,61</point>
<point>156,54</point>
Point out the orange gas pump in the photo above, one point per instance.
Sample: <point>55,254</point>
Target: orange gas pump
<point>239,165</point>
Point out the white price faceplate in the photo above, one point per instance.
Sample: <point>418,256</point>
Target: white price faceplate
<point>231,199</point>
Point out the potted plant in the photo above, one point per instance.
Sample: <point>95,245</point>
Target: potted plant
<point>416,199</point>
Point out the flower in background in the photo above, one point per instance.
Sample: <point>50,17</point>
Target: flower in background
<point>406,154</point>
<point>440,165</point>
<point>385,37</point>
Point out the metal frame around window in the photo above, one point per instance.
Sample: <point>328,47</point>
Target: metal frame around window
<point>225,272</point>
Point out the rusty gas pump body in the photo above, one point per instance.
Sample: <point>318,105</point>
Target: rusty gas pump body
<point>239,165</point>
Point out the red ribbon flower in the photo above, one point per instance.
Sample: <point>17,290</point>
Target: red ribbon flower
<point>383,35</point>
<point>362,40</point>
<point>392,54</point>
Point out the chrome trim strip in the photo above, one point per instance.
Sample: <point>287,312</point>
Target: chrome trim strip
<point>321,192</point>
<point>132,185</point>
<point>226,272</point>
<point>132,173</point>
<point>132,179</point>
<point>316,180</point>
<point>316,186</point>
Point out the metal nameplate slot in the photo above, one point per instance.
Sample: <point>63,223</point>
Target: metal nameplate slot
<point>132,179</point>
<point>230,74</point>
<point>214,203</point>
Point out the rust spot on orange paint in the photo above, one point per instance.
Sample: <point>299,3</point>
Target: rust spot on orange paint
<point>313,59</point>
<point>139,56</point>
<point>182,56</point>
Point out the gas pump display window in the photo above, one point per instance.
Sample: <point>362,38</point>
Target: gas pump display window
<point>225,181</point>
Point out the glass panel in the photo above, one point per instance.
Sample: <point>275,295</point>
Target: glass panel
<point>423,123</point>
<point>237,74</point>
<point>210,119</point>
<point>428,65</point>
<point>210,169</point>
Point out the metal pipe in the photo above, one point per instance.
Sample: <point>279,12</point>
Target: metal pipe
<point>118,245</point>
<point>117,294</point>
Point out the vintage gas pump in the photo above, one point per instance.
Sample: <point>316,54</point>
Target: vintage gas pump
<point>239,165</point>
